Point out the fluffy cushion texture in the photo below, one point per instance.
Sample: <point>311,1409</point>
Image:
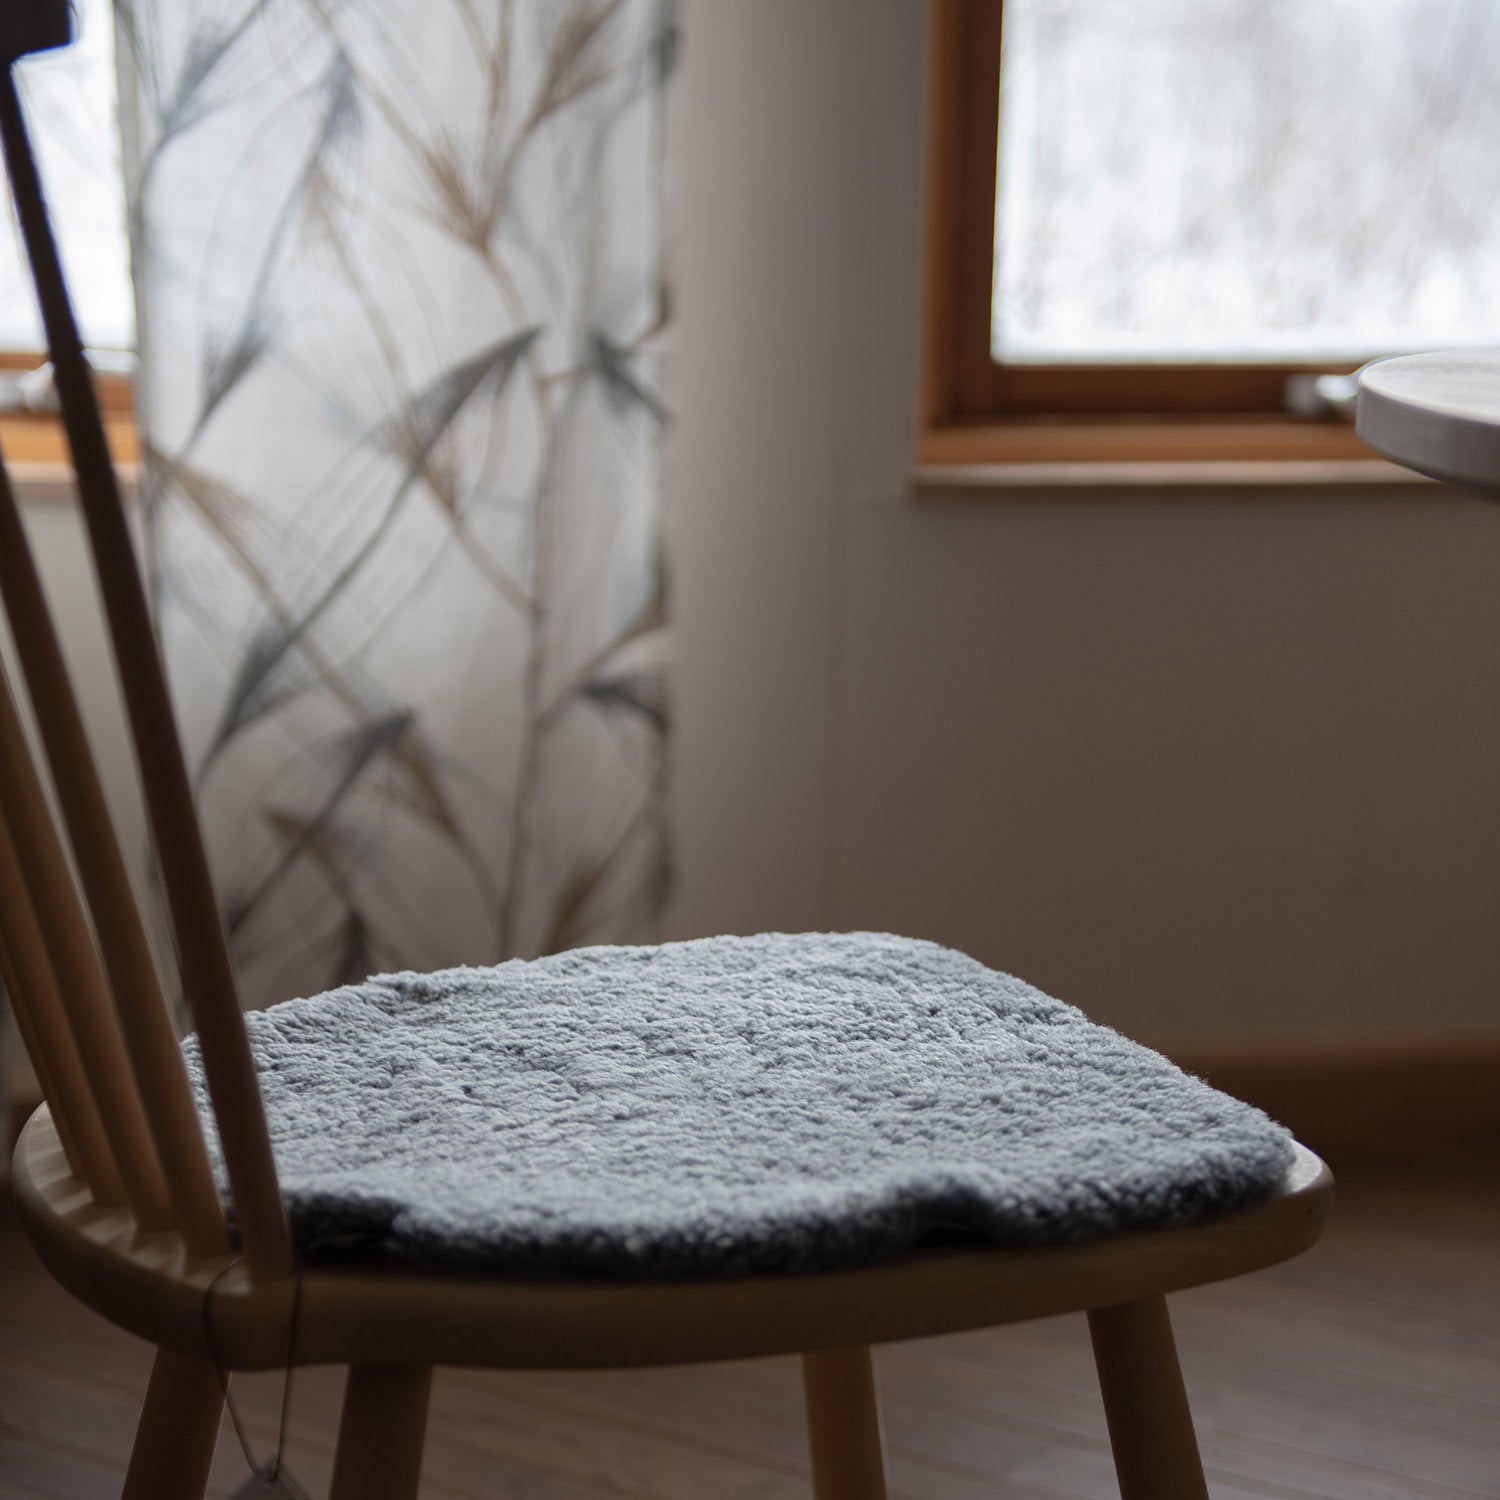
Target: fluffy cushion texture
<point>727,1106</point>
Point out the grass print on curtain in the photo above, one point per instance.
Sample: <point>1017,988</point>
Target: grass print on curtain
<point>403,286</point>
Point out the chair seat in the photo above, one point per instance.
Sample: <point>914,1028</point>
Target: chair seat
<point>148,1284</point>
<point>731,1106</point>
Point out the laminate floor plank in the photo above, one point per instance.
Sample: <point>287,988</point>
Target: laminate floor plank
<point>56,1472</point>
<point>1228,1415</point>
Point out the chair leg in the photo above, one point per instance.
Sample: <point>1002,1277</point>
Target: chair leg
<point>1150,1426</point>
<point>179,1426</point>
<point>843,1424</point>
<point>379,1454</point>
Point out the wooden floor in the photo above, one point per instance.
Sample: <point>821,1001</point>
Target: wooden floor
<point>1368,1370</point>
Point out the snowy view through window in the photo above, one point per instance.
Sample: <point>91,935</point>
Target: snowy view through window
<point>69,97</point>
<point>1246,180</point>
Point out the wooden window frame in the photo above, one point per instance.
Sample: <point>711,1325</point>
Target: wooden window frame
<point>977,412</point>
<point>34,441</point>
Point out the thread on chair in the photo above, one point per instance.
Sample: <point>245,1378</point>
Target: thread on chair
<point>275,1469</point>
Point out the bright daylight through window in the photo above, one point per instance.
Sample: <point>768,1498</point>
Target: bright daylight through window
<point>1246,181</point>
<point>70,103</point>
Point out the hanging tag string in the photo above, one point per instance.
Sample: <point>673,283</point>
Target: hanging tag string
<point>267,1473</point>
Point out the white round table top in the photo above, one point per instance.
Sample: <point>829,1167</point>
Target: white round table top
<point>1436,413</point>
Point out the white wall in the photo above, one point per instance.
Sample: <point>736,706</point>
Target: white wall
<point>1213,765</point>
<point>55,528</point>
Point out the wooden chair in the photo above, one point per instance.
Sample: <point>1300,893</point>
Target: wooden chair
<point>115,1190</point>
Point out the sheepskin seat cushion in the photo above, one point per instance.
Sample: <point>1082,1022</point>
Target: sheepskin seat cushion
<point>730,1106</point>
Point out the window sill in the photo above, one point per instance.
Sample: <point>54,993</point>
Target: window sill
<point>1001,457</point>
<point>37,458</point>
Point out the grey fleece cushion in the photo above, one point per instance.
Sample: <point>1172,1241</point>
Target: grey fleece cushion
<point>732,1105</point>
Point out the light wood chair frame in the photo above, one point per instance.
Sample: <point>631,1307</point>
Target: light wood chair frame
<point>114,1185</point>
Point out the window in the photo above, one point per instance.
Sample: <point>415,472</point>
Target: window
<point>69,98</point>
<point>1150,223</point>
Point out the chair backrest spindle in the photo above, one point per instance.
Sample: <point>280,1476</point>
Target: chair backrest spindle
<point>202,948</point>
<point>160,1077</point>
<point>37,1007</point>
<point>69,942</point>
<point>41,1063</point>
<point>42,1067</point>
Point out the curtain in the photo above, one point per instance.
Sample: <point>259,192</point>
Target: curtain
<point>403,292</point>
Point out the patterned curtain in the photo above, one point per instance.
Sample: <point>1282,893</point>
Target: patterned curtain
<point>404,315</point>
